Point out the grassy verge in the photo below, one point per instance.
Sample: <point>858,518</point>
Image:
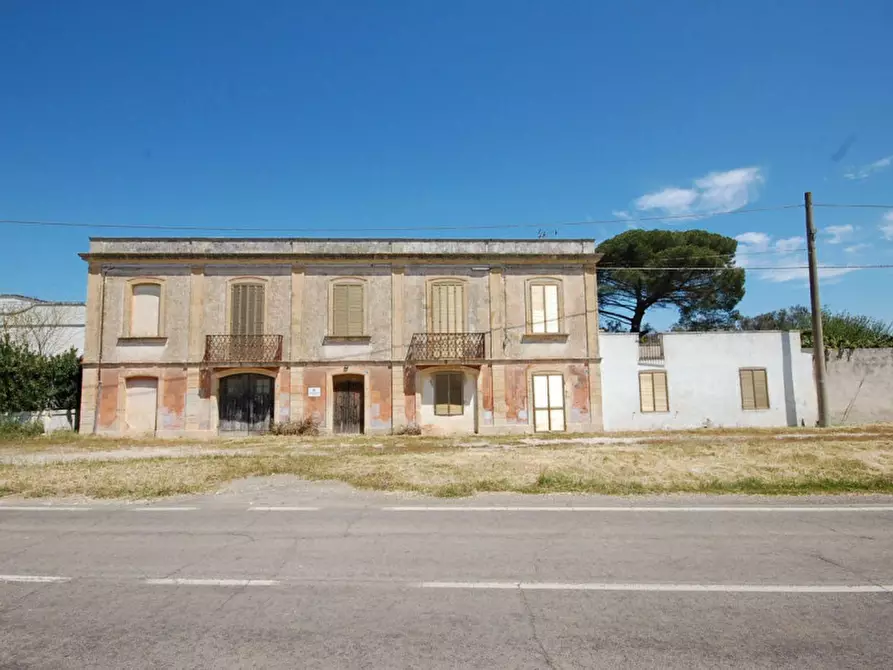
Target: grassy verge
<point>756,463</point>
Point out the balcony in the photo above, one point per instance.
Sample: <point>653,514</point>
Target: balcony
<point>243,349</point>
<point>651,348</point>
<point>446,347</point>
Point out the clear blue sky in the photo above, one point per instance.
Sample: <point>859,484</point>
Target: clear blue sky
<point>344,118</point>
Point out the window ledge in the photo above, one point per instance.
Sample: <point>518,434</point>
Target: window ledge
<point>351,339</point>
<point>142,339</point>
<point>544,337</point>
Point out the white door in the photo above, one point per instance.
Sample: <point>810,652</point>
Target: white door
<point>548,402</point>
<point>141,405</point>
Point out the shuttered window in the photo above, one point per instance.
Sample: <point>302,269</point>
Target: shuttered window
<point>145,310</point>
<point>447,308</point>
<point>544,308</point>
<point>247,309</point>
<point>347,310</point>
<point>548,402</point>
<point>754,388</point>
<point>653,392</point>
<point>448,387</point>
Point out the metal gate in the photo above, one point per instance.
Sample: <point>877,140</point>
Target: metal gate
<point>347,415</point>
<point>246,404</point>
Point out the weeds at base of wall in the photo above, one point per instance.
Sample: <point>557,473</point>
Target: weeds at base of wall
<point>13,429</point>
<point>409,429</point>
<point>308,426</point>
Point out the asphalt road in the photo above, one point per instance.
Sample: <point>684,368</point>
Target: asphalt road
<point>285,576</point>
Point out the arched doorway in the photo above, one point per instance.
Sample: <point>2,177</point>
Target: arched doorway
<point>348,410</point>
<point>246,403</point>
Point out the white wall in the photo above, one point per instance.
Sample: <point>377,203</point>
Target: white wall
<point>54,327</point>
<point>703,383</point>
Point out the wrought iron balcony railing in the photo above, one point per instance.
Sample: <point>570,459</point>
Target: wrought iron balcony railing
<point>651,348</point>
<point>243,348</point>
<point>446,347</point>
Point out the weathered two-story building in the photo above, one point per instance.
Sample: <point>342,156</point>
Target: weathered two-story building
<point>207,336</point>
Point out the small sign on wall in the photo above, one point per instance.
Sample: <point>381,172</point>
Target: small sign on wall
<point>314,391</point>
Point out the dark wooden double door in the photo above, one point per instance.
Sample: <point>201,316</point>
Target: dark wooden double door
<point>348,409</point>
<point>246,404</point>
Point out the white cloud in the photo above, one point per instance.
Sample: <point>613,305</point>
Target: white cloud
<point>887,228</point>
<point>790,244</point>
<point>779,260</point>
<point>673,201</point>
<point>714,193</point>
<point>620,214</point>
<point>839,234</point>
<point>856,248</point>
<point>866,171</point>
<point>756,241</point>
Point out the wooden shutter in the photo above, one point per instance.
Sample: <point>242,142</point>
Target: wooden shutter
<point>247,309</point>
<point>447,308</point>
<point>348,319</point>
<point>448,394</point>
<point>646,392</point>
<point>748,399</point>
<point>661,398</point>
<point>760,389</point>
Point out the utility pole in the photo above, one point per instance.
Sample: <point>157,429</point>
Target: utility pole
<point>818,339</point>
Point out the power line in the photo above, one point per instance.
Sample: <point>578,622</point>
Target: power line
<point>854,206</point>
<point>243,229</point>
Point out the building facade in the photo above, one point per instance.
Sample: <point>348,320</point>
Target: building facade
<point>227,336</point>
<point>700,380</point>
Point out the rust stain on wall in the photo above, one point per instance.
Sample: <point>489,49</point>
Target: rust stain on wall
<point>108,399</point>
<point>516,393</point>
<point>380,397</point>
<point>487,384</point>
<point>578,384</point>
<point>174,401</point>
<point>315,407</point>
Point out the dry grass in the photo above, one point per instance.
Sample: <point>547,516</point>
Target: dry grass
<point>741,462</point>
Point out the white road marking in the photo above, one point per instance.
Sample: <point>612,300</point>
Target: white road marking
<point>283,509</point>
<point>677,588</point>
<point>644,508</point>
<point>163,509</point>
<point>212,582</point>
<point>33,579</point>
<point>42,508</point>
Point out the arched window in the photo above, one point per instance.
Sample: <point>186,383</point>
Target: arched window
<point>247,309</point>
<point>544,305</point>
<point>347,308</point>
<point>145,308</point>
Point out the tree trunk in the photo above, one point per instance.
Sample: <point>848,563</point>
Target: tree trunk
<point>635,324</point>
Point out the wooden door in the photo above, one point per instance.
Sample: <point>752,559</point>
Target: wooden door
<point>347,415</point>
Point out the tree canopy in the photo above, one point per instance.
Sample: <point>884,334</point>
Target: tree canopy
<point>708,288</point>
<point>841,330</point>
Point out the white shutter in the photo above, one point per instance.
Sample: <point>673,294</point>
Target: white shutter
<point>661,398</point>
<point>537,309</point>
<point>551,310</point>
